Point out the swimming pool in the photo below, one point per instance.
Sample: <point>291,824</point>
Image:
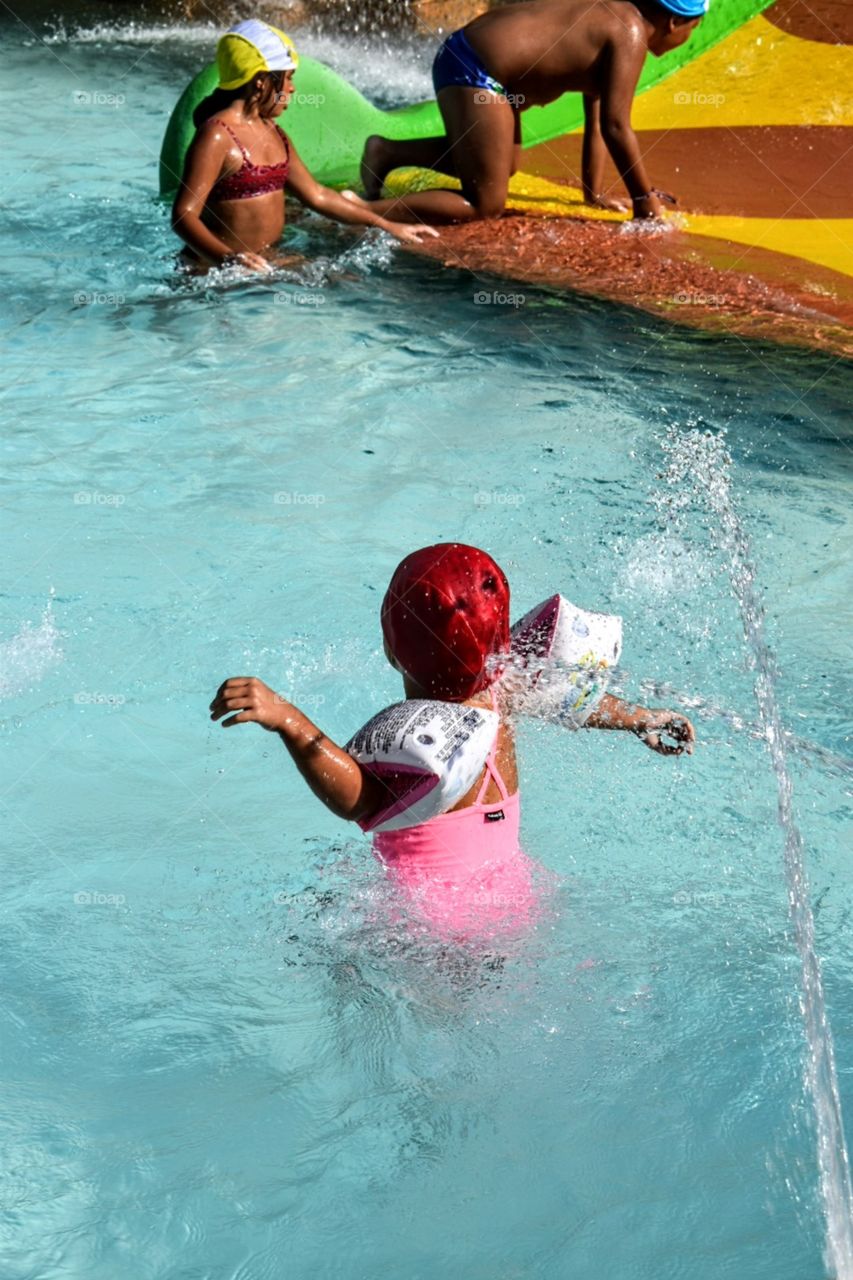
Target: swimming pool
<point>221,1059</point>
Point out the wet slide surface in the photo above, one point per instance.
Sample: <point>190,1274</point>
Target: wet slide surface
<point>753,132</point>
<point>755,139</point>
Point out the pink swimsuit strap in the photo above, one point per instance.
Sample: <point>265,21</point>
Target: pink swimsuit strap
<point>491,771</point>
<point>457,843</point>
<point>252,179</point>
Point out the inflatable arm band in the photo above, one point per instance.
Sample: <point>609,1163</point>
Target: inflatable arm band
<point>426,755</point>
<point>561,660</point>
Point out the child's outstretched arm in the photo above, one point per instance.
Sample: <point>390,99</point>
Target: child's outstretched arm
<point>623,62</point>
<point>332,204</point>
<point>332,774</point>
<point>649,726</point>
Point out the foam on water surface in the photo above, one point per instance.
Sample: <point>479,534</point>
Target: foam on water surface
<point>28,655</point>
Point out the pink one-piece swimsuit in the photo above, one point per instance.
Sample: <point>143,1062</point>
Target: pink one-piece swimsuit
<point>463,872</point>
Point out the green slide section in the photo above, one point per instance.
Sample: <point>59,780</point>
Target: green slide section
<point>328,120</point>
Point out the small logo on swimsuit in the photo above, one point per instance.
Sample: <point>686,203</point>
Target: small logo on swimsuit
<point>497,816</point>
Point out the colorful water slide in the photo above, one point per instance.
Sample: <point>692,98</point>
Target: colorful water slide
<point>748,123</point>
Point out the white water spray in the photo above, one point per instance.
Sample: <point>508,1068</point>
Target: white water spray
<point>699,470</point>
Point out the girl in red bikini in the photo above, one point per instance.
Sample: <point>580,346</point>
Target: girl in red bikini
<point>445,620</point>
<point>230,205</point>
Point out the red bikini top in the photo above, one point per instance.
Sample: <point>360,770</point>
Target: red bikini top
<point>251,179</point>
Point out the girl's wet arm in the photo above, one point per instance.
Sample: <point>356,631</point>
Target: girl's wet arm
<point>202,169</point>
<point>650,726</point>
<point>331,773</point>
<point>332,204</point>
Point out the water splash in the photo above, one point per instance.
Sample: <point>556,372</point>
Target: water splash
<point>388,64</point>
<point>26,657</point>
<point>710,709</point>
<point>698,474</point>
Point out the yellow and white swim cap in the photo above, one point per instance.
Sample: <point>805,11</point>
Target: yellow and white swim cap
<point>250,47</point>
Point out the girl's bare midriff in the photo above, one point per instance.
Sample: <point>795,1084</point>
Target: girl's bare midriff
<point>253,224</point>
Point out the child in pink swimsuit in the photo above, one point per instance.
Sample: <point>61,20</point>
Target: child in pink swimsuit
<point>445,622</point>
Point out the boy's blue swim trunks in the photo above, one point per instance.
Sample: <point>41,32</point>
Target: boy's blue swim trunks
<point>457,63</point>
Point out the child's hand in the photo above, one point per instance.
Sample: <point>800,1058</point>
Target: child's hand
<point>672,725</point>
<point>251,261</point>
<point>409,233</point>
<point>252,700</point>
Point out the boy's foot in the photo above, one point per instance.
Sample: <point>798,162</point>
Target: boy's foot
<point>374,166</point>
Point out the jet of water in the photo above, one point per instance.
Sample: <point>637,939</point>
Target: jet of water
<point>699,470</point>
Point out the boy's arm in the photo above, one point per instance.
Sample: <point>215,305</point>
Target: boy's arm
<point>332,774</point>
<point>623,62</point>
<point>593,157</point>
<point>649,726</point>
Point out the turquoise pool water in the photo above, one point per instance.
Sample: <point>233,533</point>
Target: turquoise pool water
<point>221,1058</point>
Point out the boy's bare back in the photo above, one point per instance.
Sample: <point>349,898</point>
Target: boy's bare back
<point>542,48</point>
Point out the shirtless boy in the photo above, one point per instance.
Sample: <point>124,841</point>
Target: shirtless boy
<point>526,55</point>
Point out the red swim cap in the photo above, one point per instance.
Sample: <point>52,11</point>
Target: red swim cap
<point>444,614</point>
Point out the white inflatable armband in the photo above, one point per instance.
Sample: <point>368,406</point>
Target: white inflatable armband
<point>561,660</point>
<point>426,755</point>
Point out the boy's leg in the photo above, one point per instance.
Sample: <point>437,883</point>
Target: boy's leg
<point>479,148</point>
<point>381,155</point>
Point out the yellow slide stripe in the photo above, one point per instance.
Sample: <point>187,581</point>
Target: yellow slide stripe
<point>758,76</point>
